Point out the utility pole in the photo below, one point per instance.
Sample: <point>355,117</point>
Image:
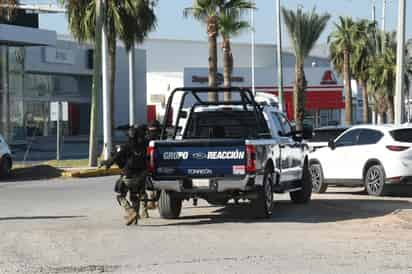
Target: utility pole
<point>383,23</point>
<point>252,24</point>
<point>107,127</point>
<point>383,14</point>
<point>400,63</point>
<point>279,59</point>
<point>376,43</point>
<point>131,85</point>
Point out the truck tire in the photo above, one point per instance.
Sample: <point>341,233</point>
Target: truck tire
<point>303,196</point>
<point>169,206</point>
<point>263,205</point>
<point>318,183</point>
<point>375,178</point>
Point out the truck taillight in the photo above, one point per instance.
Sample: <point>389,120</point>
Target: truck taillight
<point>151,159</point>
<point>250,159</point>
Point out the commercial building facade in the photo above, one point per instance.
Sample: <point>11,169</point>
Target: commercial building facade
<point>39,67</point>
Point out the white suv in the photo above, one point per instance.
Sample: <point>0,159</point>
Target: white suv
<point>370,156</point>
<point>5,158</point>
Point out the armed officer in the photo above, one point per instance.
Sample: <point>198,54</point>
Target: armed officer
<point>131,158</point>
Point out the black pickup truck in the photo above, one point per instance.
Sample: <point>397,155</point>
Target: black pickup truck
<point>223,150</point>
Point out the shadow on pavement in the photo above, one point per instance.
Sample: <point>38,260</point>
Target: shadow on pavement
<point>317,211</point>
<point>29,173</point>
<point>392,191</point>
<point>28,218</point>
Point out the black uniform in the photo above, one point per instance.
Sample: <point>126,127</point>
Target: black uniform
<point>131,158</point>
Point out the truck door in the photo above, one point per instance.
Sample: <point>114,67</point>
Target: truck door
<point>289,149</point>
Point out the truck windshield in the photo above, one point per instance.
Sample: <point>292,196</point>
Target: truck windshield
<point>222,124</point>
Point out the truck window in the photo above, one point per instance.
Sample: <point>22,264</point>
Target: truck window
<point>281,123</point>
<point>223,124</point>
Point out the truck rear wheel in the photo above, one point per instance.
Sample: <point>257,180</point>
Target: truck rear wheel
<point>169,205</point>
<point>303,196</point>
<point>263,205</point>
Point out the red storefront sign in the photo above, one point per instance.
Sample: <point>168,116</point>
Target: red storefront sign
<point>317,97</point>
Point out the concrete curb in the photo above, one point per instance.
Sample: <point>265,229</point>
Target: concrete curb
<point>98,172</point>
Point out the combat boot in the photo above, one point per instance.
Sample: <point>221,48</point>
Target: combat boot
<point>131,216</point>
<point>145,213</point>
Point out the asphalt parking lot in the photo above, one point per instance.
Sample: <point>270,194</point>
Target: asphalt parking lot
<point>75,226</point>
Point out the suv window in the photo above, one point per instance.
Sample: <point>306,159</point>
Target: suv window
<point>348,139</point>
<point>325,135</point>
<point>402,135</point>
<point>369,137</point>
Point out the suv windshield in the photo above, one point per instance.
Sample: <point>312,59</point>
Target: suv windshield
<point>402,135</point>
<point>325,135</point>
<point>222,124</point>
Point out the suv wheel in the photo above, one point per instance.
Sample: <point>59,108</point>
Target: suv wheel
<point>169,205</point>
<point>318,184</point>
<point>264,203</point>
<point>5,168</point>
<point>303,196</point>
<point>375,181</point>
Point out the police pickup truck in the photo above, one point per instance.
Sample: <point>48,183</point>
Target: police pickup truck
<point>219,151</point>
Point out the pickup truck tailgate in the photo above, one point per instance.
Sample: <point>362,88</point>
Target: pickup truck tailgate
<point>200,158</point>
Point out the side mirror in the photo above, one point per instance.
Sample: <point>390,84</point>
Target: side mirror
<point>331,144</point>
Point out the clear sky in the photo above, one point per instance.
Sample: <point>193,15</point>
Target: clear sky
<point>171,23</point>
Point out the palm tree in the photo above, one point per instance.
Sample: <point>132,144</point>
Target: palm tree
<point>86,25</point>
<point>304,30</point>
<point>383,75</point>
<point>230,25</point>
<point>207,11</point>
<point>362,60</point>
<point>127,20</point>
<point>341,43</point>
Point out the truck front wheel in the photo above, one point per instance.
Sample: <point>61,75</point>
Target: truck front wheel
<point>303,195</point>
<point>169,205</point>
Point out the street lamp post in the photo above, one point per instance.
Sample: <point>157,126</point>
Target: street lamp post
<point>279,58</point>
<point>131,86</point>
<point>252,24</point>
<point>400,63</point>
<point>107,127</point>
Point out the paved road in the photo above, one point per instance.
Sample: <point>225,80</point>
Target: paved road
<point>74,226</point>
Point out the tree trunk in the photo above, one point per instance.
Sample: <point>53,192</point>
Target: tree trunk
<point>299,95</point>
<point>390,112</point>
<point>212,30</point>
<point>111,37</point>
<point>227,68</point>
<point>348,88</point>
<point>97,87</point>
<point>366,118</point>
